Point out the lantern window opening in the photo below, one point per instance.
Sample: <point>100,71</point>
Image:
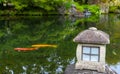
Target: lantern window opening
<point>90,53</point>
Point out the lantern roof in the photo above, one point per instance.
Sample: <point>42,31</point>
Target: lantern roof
<point>92,36</point>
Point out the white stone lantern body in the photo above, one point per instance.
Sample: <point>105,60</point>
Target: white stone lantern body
<point>95,59</point>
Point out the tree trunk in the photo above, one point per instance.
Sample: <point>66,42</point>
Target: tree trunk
<point>86,1</point>
<point>104,7</point>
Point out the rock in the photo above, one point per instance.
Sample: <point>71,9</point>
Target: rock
<point>74,12</point>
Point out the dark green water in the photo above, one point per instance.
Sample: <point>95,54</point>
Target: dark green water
<point>26,31</point>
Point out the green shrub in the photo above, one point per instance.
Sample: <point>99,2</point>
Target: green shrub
<point>112,9</point>
<point>94,9</point>
<point>68,5</point>
<point>79,7</point>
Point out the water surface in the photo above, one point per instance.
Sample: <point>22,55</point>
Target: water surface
<point>25,31</point>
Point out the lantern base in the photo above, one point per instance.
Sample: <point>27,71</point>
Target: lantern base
<point>98,66</point>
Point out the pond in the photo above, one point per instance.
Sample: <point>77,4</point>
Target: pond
<point>25,31</point>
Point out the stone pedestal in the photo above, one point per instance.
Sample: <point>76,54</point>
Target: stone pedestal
<point>71,70</point>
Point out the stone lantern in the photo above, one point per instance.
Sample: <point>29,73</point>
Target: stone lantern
<point>91,49</point>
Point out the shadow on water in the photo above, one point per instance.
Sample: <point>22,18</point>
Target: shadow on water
<point>26,31</point>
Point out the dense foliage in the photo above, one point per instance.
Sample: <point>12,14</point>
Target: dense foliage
<point>46,5</point>
<point>13,7</point>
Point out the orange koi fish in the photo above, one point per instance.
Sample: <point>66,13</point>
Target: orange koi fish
<point>25,49</point>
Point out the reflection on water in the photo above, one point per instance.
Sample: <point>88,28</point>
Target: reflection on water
<point>116,68</point>
<point>22,32</point>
